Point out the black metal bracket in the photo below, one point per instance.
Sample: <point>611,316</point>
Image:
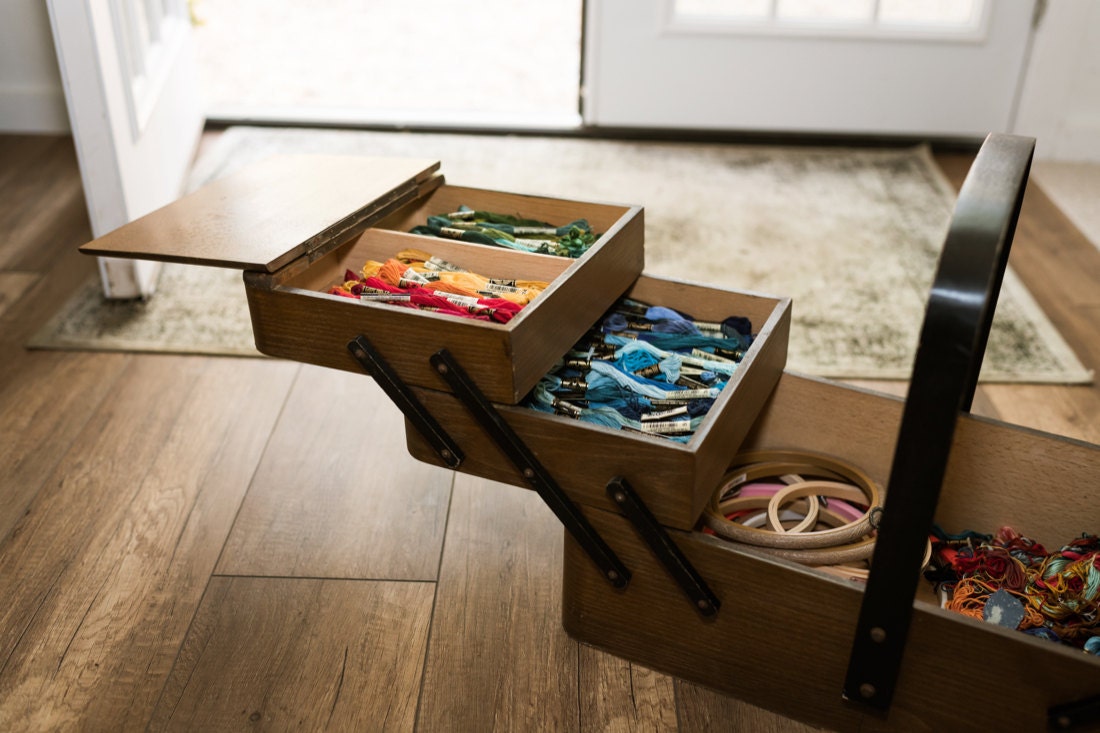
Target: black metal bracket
<point>667,552</point>
<point>445,446</point>
<point>945,373</point>
<point>1072,714</point>
<point>533,472</point>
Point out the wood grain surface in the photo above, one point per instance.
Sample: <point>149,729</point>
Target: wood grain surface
<point>123,476</point>
<point>507,359</point>
<point>281,654</point>
<point>619,696</point>
<point>266,215</point>
<point>144,501</point>
<point>336,495</point>
<point>499,659</point>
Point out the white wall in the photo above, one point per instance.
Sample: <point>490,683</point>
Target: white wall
<point>1060,99</point>
<point>31,96</point>
<point>1059,103</point>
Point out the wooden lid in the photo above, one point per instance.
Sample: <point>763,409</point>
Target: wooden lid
<point>270,213</point>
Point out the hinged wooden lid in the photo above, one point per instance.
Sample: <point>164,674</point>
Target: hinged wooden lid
<point>272,212</point>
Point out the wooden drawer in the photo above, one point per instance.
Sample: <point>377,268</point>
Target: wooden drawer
<point>673,479</point>
<point>782,637</point>
<point>294,224</point>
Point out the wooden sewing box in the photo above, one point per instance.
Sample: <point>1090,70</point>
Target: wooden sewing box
<point>639,581</point>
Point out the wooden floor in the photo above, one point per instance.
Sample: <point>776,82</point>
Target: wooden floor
<point>201,544</point>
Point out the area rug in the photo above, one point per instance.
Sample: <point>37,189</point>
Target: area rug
<point>852,235</point>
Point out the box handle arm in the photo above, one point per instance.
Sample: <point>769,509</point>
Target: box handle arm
<point>945,375</point>
<point>376,366</point>
<point>521,456</point>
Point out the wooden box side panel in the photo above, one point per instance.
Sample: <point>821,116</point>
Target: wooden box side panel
<point>739,405</point>
<point>1043,486</point>
<point>810,414</point>
<point>558,211</point>
<point>774,624</point>
<point>580,457</point>
<point>316,329</point>
<point>592,284</point>
<point>782,638</point>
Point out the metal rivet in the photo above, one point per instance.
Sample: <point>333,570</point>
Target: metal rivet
<point>867,690</point>
<point>878,634</point>
<point>1064,721</point>
<point>703,604</point>
<point>612,575</point>
<point>445,453</point>
<point>529,472</point>
<point>441,368</point>
<point>620,497</point>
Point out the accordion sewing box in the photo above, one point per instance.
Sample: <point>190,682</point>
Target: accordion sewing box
<point>638,581</point>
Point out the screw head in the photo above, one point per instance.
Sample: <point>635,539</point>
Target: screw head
<point>441,368</point>
<point>878,634</point>
<point>612,575</point>
<point>620,497</point>
<point>703,604</point>
<point>867,690</point>
<point>529,472</point>
<point>445,453</point>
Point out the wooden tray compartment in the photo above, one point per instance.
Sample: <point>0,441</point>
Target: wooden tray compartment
<point>673,479</point>
<point>782,637</point>
<point>293,319</point>
<point>294,223</point>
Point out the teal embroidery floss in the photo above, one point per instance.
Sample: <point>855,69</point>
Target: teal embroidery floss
<point>622,375</point>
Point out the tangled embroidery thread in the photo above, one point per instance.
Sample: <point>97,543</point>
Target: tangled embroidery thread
<point>1058,592</point>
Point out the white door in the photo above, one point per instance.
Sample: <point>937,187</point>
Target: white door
<point>131,85</point>
<point>902,67</point>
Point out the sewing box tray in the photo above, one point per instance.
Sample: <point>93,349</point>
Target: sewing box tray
<point>295,224</point>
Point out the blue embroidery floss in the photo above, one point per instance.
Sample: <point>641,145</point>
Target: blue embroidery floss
<point>644,368</point>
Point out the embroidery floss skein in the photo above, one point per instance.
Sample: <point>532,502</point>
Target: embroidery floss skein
<point>512,232</point>
<point>434,284</point>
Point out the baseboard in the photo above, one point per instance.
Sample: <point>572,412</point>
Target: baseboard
<point>39,109</point>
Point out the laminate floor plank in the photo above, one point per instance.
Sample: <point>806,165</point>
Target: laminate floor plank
<point>91,485</point>
<point>13,285</point>
<point>45,403</point>
<point>498,659</point>
<point>23,318</point>
<point>301,654</point>
<point>1068,411</point>
<point>705,711</point>
<point>337,494</point>
<point>41,205</point>
<point>106,570</point>
<point>620,697</point>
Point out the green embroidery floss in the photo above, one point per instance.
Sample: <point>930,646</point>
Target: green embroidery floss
<point>511,232</point>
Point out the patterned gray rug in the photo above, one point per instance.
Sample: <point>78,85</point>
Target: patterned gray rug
<point>851,235</point>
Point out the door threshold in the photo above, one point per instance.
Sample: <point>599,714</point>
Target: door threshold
<point>550,123</point>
